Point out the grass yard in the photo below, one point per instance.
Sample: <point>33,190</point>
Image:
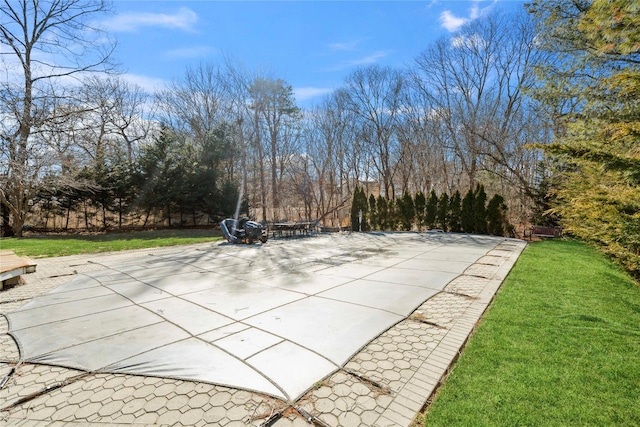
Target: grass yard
<point>61,245</point>
<point>560,346</point>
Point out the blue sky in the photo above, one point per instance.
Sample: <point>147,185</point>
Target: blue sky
<point>312,45</point>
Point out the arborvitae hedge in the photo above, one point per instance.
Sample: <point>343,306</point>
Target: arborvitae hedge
<point>431,210</point>
<point>406,211</point>
<point>455,211</point>
<point>470,214</point>
<point>442,214</point>
<point>359,206</point>
<point>420,203</point>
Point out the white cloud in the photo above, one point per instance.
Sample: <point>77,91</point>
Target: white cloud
<point>190,52</point>
<point>183,19</point>
<point>475,12</point>
<point>305,93</point>
<point>370,59</point>
<point>344,46</point>
<point>450,22</point>
<point>365,60</point>
<point>148,84</point>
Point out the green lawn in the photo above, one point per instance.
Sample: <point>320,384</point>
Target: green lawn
<point>61,245</point>
<point>560,346</point>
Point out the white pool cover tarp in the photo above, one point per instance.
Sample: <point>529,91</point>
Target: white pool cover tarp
<point>273,318</point>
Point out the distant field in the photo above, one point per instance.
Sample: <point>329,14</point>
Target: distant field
<point>39,246</point>
<point>559,346</point>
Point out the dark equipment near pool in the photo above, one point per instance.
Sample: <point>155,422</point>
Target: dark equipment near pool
<point>243,231</point>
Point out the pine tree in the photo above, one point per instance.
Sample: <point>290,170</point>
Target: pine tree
<point>596,71</point>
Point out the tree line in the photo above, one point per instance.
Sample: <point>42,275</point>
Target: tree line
<point>539,107</point>
<point>469,214</point>
<point>591,89</point>
<point>103,153</point>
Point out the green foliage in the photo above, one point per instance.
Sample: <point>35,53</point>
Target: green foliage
<point>392,216</point>
<point>374,219</point>
<point>544,200</point>
<point>442,214</point>
<point>170,175</point>
<point>431,210</point>
<point>359,209</point>
<point>448,212</point>
<point>611,27</point>
<point>455,211</point>
<point>467,218</point>
<point>161,173</point>
<point>479,210</point>
<point>383,212</point>
<point>420,203</point>
<point>406,211</point>
<point>596,187</point>
<point>496,216</point>
<point>182,177</point>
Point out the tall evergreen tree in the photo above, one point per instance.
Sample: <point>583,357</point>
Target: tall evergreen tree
<point>467,218</point>
<point>364,201</point>
<point>359,208</point>
<point>420,203</point>
<point>374,220</point>
<point>383,212</point>
<point>392,215</point>
<point>480,210</point>
<point>497,216</point>
<point>431,210</point>
<point>158,166</point>
<point>442,215</point>
<point>455,209</point>
<point>406,211</point>
<point>592,90</point>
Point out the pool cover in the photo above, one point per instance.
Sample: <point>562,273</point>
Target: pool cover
<point>273,318</point>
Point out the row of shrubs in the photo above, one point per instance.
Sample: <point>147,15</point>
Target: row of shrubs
<point>469,214</point>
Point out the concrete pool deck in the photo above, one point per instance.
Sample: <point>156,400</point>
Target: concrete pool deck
<point>341,329</point>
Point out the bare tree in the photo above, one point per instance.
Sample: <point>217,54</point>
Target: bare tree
<point>373,95</point>
<point>195,105</point>
<point>46,43</point>
<point>331,149</point>
<point>242,111</point>
<point>131,114</point>
<point>475,84</point>
<point>428,160</point>
<point>276,117</point>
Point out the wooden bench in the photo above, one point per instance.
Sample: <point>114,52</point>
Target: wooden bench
<point>543,231</point>
<point>12,267</point>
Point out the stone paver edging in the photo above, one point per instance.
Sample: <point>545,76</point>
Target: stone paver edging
<point>385,384</point>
